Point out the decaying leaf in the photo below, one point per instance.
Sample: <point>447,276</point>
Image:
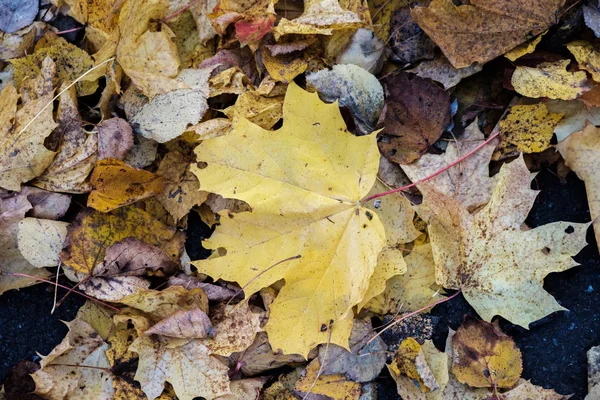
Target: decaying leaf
<point>527,129</point>
<point>243,389</point>
<point>335,387</point>
<point>484,29</point>
<point>364,50</point>
<point>81,346</point>
<point>158,305</point>
<point>261,110</point>
<point>23,155</point>
<point>189,368</point>
<point>323,210</point>
<point>580,151</point>
<point>526,390</point>
<point>587,56</point>
<point>17,14</point>
<point>550,80</point>
<point>576,115</point>
<point>260,357</point>
<point>116,184</point>
<point>354,88</point>
<point>184,324</point>
<point>93,232</point>
<point>490,258</point>
<point>469,182</point>
<point>523,49</point>
<point>408,43</point>
<point>415,114</point>
<point>41,240</point>
<point>484,356</point>
<point>213,292</point>
<point>76,151</point>
<point>115,138</point>
<point>235,328</point>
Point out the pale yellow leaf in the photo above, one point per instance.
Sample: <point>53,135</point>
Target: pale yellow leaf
<point>41,240</point>
<point>550,80</point>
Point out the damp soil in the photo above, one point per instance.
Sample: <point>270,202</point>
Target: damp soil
<point>554,349</point>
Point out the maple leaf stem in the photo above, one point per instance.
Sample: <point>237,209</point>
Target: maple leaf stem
<point>436,173</point>
<point>62,286</point>
<point>80,366</point>
<point>411,314</point>
<point>182,9</point>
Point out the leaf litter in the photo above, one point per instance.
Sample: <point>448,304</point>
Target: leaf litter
<point>351,168</point>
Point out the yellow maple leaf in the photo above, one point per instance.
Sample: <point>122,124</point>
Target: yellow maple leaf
<point>304,183</point>
<point>499,267</point>
<point>551,80</point>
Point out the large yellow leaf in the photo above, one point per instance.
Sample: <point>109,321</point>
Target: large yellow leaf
<point>551,80</point>
<point>498,266</point>
<point>304,183</point>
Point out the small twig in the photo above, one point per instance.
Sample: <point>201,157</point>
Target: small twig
<point>397,321</point>
<point>80,366</point>
<point>56,288</point>
<point>70,30</point>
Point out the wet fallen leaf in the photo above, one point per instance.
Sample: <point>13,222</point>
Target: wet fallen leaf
<point>471,252</point>
<point>408,43</point>
<point>527,129</point>
<point>115,138</point>
<point>484,356</point>
<point>486,28</point>
<point>440,70</point>
<point>550,80</point>
<point>40,241</point>
<point>354,88</point>
<point>469,182</point>
<point>116,184</point>
<point>591,16</point>
<point>415,114</point>
<point>579,151</point>
<point>319,201</point>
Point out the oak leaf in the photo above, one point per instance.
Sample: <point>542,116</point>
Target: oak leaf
<point>499,267</point>
<point>415,114</point>
<point>468,182</point>
<point>305,215</point>
<point>580,151</point>
<point>484,356</point>
<point>550,80</point>
<point>486,28</point>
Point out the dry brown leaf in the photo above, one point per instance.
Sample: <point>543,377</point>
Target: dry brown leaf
<point>115,138</point>
<point>159,305</point>
<point>469,182</point>
<point>484,356</point>
<point>581,151</point>
<point>235,328</point>
<point>181,190</point>
<point>46,205</point>
<point>81,346</point>
<point>23,155</point>
<point>415,114</point>
<point>486,28</point>
<point>76,151</point>
<point>440,70</point>
<point>184,324</point>
<point>116,184</point>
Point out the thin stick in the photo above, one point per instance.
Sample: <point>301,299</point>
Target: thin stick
<point>413,314</point>
<point>182,9</point>
<point>62,286</point>
<point>55,288</point>
<point>80,366</point>
<point>70,30</point>
<point>452,164</point>
<point>257,276</point>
